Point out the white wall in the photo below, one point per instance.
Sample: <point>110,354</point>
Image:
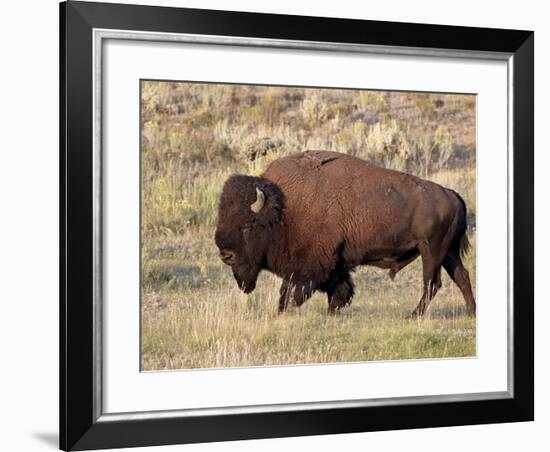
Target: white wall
<point>29,223</point>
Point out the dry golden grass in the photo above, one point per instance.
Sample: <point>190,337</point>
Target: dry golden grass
<point>194,316</point>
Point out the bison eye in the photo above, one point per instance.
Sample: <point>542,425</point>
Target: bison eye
<point>246,233</point>
<point>227,256</point>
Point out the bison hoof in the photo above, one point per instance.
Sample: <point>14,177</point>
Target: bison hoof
<point>415,315</point>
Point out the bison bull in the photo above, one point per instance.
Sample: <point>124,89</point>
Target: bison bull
<point>312,218</point>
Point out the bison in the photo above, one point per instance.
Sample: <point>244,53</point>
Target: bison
<point>313,217</point>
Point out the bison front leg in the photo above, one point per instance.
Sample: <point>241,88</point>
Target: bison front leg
<point>340,292</point>
<point>298,293</point>
<point>284,296</point>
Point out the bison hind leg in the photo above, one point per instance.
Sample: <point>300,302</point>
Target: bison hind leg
<point>340,292</point>
<point>431,272</point>
<point>458,273</point>
<point>431,286</point>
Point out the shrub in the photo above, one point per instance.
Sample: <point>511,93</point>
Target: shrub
<point>256,147</point>
<point>314,109</point>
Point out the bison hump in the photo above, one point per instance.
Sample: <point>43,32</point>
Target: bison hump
<point>316,159</point>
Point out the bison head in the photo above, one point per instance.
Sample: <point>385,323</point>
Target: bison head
<point>250,211</point>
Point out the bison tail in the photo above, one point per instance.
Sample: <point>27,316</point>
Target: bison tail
<point>462,243</point>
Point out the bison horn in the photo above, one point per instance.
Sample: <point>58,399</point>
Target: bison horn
<point>260,201</point>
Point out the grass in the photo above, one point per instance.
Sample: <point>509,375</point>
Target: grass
<point>195,135</point>
<point>194,316</point>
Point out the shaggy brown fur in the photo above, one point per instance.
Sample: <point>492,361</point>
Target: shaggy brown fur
<point>323,213</point>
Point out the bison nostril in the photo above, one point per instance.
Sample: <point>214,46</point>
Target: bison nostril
<point>228,257</point>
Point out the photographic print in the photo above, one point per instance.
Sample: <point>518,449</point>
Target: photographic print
<point>305,225</point>
<point>254,201</point>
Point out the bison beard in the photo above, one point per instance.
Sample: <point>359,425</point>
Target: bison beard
<point>313,217</point>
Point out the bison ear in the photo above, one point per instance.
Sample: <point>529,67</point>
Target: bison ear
<point>258,205</point>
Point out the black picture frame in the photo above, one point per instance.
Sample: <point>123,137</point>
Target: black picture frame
<point>80,427</point>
